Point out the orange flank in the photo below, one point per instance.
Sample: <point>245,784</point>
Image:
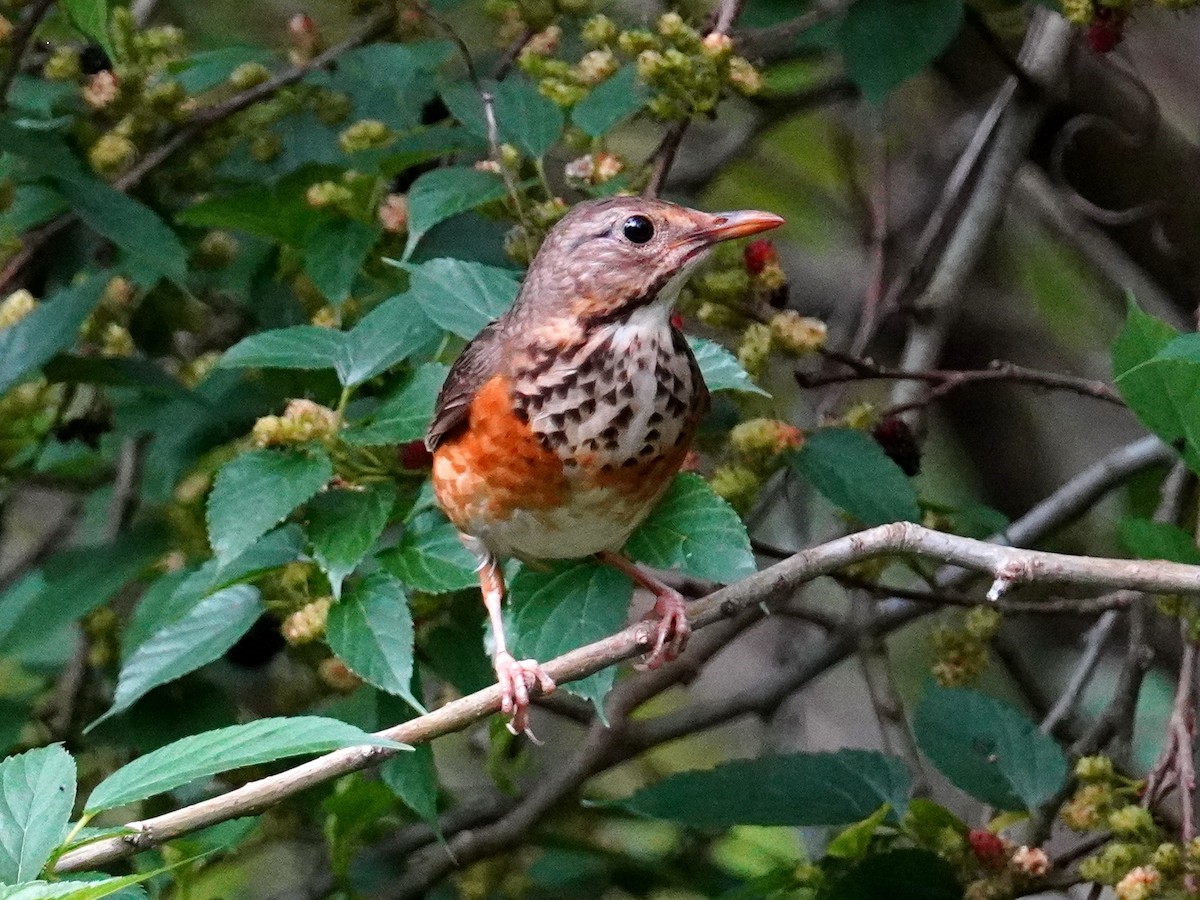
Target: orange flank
<point>495,464</point>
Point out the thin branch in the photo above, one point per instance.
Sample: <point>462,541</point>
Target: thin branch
<point>17,44</point>
<point>947,380</point>
<point>879,204</point>
<point>1085,669</point>
<point>664,154</point>
<point>1175,766</point>
<point>1003,564</point>
<point>1081,606</point>
<point>776,41</point>
<point>59,530</point>
<point>188,134</point>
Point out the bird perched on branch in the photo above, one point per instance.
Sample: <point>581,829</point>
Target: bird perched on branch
<point>563,422</point>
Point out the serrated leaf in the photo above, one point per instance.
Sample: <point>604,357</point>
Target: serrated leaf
<point>1160,387</point>
<point>886,42</point>
<point>30,343</point>
<point>297,347</point>
<point>442,193</point>
<point>128,223</point>
<point>855,841</point>
<point>91,17</point>
<point>344,525</point>
<point>388,334</point>
<point>430,557</point>
<point>904,873</point>
<point>413,779</point>
<point>255,491</point>
<point>278,211</point>
<point>196,638</point>
<point>213,752</point>
<point>525,118</point>
<point>610,102</point>
<point>695,531</point>
<point>551,612</point>
<point>37,791</point>
<point>720,368</point>
<point>405,415</point>
<point>334,253</point>
<point>371,631</point>
<point>793,789</point>
<point>1158,540</point>
<point>460,296</point>
<point>988,749</point>
<point>854,474</point>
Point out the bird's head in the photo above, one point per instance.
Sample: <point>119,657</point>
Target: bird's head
<point>608,258</point>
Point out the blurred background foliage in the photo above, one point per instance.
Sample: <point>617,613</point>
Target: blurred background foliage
<point>241,243</point>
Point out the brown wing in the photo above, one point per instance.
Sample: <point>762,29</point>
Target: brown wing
<point>477,363</point>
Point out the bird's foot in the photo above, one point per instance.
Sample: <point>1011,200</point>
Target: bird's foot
<point>672,632</point>
<point>517,678</point>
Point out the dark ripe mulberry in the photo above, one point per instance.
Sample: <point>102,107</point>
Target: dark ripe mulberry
<point>415,456</point>
<point>93,59</point>
<point>898,442</point>
<point>87,429</point>
<point>1107,29</point>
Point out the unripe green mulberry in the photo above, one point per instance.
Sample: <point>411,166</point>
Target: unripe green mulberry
<point>63,65</point>
<point>1095,768</point>
<point>759,441</point>
<point>112,154</point>
<point>365,134</point>
<point>754,352</point>
<point>737,485</point>
<point>307,624</point>
<point>266,146</point>
<point>982,622</point>
<point>716,315</point>
<point>15,307</point>
<point>599,31</point>
<point>248,75</point>
<point>1130,820</point>
<point>216,250</point>
<point>796,334</point>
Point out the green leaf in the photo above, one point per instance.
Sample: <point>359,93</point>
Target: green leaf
<point>459,296</point>
<point>371,630</point>
<point>905,873</point>
<point>1158,540</point>
<point>91,17</point>
<point>279,212</point>
<point>334,252</point>
<point>403,416</point>
<point>53,325</point>
<point>344,525</point>
<point>792,789</point>
<point>720,368</point>
<point>695,531</point>
<point>564,608</point>
<point>77,890</point>
<point>298,347</point>
<point>525,118</point>
<point>855,841</point>
<point>442,193</point>
<point>388,334</point>
<point>254,492</point>
<point>195,639</point>
<point>886,42</point>
<point>854,474</point>
<point>610,102</point>
<point>430,557</point>
<point>413,779</point>
<point>213,752</point>
<point>129,224</point>
<point>1157,372</point>
<point>37,791</point>
<point>988,749</point>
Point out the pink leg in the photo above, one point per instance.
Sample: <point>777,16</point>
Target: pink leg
<point>671,635</point>
<point>516,677</point>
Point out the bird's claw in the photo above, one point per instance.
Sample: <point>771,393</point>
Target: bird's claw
<point>672,631</point>
<point>517,678</point>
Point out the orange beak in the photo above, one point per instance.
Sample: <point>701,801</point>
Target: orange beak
<point>728,225</point>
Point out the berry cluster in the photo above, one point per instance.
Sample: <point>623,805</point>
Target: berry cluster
<point>1106,19</point>
<point>961,653</point>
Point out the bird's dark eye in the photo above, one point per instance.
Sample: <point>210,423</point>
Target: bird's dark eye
<point>638,229</point>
